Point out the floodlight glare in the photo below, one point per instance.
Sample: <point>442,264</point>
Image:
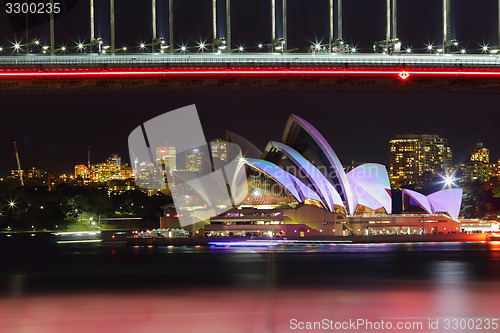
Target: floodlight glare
<point>448,180</point>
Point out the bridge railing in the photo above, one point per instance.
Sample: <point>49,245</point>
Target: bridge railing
<point>246,61</point>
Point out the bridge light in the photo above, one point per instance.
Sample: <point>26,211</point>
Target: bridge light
<point>430,47</point>
<point>463,51</point>
<point>241,49</point>
<point>1,49</point>
<point>353,50</point>
<point>17,46</point>
<point>142,45</point>
<point>408,50</point>
<point>37,42</point>
<point>63,48</point>
<point>80,46</point>
<point>259,45</point>
<point>183,48</point>
<point>124,48</point>
<point>484,48</point>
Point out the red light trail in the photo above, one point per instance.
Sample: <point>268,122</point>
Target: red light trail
<point>74,73</point>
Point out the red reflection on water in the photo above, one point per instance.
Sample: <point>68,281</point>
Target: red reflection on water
<point>240,311</point>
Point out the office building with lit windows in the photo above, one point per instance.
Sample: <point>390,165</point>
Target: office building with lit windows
<point>194,160</point>
<point>415,159</point>
<point>81,171</point>
<point>480,154</point>
<point>219,149</point>
<point>478,168</point>
<point>166,156</point>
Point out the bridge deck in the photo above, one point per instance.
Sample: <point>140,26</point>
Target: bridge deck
<point>250,60</point>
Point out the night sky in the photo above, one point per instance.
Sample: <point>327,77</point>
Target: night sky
<point>53,130</point>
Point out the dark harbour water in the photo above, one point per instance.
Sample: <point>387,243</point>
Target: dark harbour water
<point>214,285</point>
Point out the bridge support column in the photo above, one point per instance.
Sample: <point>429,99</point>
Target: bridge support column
<point>283,16</point>
<point>394,19</point>
<point>112,23</point>
<point>273,24</point>
<point>171,25</point>
<point>339,19</point>
<point>446,25</point>
<point>388,22</point>
<point>214,23</point>
<point>92,23</point>
<point>331,33</point>
<point>228,25</point>
<point>52,33</point>
<point>285,36</point>
<point>153,22</point>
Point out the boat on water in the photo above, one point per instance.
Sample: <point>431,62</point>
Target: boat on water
<point>494,237</point>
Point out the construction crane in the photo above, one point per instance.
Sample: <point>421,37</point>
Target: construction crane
<point>19,165</point>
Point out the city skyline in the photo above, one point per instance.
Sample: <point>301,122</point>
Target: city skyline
<point>57,138</point>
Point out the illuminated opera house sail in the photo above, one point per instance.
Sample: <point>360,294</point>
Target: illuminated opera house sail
<point>305,165</point>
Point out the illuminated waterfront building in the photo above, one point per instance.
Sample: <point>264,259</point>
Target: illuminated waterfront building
<point>417,158</point>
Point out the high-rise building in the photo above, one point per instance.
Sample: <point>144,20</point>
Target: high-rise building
<point>474,171</point>
<point>478,167</point>
<point>166,156</point>
<point>81,171</point>
<point>194,160</point>
<point>495,169</point>
<point>480,154</point>
<point>219,149</point>
<point>416,158</point>
<point>116,160</point>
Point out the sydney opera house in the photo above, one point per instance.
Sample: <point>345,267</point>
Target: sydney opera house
<point>298,187</point>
